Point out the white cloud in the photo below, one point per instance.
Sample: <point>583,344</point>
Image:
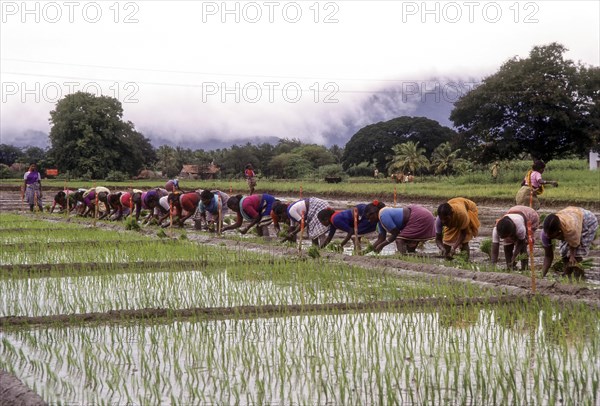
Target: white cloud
<point>167,64</point>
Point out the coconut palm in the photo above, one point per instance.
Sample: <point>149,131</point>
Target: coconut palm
<point>445,161</point>
<point>407,157</point>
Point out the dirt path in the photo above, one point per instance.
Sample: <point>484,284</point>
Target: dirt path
<point>241,312</point>
<point>13,392</point>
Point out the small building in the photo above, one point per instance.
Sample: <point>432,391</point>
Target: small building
<point>209,171</point>
<point>189,172</point>
<point>594,160</point>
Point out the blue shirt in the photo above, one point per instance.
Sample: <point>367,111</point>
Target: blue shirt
<point>390,219</point>
<point>344,220</point>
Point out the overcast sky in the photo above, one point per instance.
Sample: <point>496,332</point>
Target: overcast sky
<point>188,72</point>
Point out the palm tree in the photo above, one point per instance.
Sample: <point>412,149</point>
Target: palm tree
<point>444,161</point>
<point>407,157</point>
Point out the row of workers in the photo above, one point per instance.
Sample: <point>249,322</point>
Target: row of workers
<point>456,223</point>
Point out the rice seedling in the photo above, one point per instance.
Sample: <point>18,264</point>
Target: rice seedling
<point>486,246</point>
<point>530,352</point>
<point>132,224</point>
<point>504,354</point>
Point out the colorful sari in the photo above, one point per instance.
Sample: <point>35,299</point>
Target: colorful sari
<point>464,219</point>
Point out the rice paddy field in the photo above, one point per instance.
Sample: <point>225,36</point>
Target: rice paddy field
<point>95,314</point>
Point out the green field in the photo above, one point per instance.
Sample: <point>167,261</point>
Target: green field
<point>577,185</point>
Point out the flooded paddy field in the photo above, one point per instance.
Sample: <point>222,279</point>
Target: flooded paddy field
<point>92,313</point>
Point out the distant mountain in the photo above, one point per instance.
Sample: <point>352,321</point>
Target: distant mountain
<point>432,99</point>
<point>27,138</point>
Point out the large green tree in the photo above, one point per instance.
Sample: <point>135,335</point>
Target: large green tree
<point>290,166</point>
<point>373,143</point>
<point>543,105</point>
<point>10,154</point>
<point>317,155</point>
<point>89,137</point>
<point>234,160</point>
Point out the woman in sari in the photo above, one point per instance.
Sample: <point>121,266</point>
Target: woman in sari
<point>213,203</point>
<point>172,185</point>
<point>308,209</point>
<point>32,188</point>
<point>514,228</point>
<point>344,220</point>
<point>456,224</point>
<point>407,226</point>
<point>250,178</point>
<point>150,201</point>
<point>65,199</point>
<point>184,204</point>
<point>533,186</point>
<point>250,208</point>
<point>575,227</point>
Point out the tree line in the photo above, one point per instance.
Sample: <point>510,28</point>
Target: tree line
<point>542,107</point>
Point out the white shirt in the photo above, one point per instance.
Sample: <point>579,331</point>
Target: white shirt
<point>296,209</point>
<point>520,226</point>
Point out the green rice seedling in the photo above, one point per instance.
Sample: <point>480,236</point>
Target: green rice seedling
<point>313,252</point>
<point>335,247</point>
<point>132,224</point>
<point>578,270</point>
<point>486,246</point>
<point>368,249</point>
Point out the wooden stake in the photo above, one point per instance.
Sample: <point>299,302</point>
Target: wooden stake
<point>66,201</point>
<point>220,219</point>
<point>131,203</point>
<point>95,206</point>
<point>356,240</point>
<point>531,259</point>
<point>171,219</point>
<point>301,233</point>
